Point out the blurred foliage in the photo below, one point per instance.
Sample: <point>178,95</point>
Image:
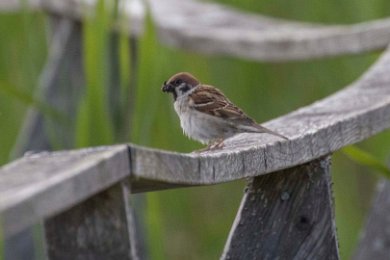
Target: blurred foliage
<point>329,12</point>
<point>193,223</point>
<point>364,158</point>
<point>94,125</point>
<point>22,53</point>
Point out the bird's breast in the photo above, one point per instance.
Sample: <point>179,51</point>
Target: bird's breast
<point>191,121</point>
<point>200,126</point>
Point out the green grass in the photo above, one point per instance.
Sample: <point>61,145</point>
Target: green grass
<point>94,125</point>
<point>191,223</point>
<point>22,54</point>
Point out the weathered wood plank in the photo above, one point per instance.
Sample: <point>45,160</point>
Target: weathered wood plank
<point>60,86</point>
<point>212,28</point>
<point>40,185</point>
<point>97,228</point>
<point>130,18</point>
<point>375,240</point>
<point>351,115</point>
<point>286,215</point>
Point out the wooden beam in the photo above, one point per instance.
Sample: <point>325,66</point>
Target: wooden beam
<point>31,187</point>
<point>213,28</point>
<point>60,86</point>
<point>41,185</point>
<point>98,228</point>
<point>218,30</point>
<point>130,19</point>
<point>351,115</point>
<point>286,215</point>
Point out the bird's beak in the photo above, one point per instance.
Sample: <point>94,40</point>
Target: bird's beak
<point>167,87</point>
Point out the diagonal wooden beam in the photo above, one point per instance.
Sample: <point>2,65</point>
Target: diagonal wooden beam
<point>98,228</point>
<point>286,215</point>
<point>33,185</point>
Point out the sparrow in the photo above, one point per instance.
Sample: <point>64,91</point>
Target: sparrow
<point>206,114</point>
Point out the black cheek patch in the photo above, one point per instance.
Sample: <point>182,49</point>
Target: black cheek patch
<point>185,88</point>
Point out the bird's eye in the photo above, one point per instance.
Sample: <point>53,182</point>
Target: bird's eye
<point>178,82</point>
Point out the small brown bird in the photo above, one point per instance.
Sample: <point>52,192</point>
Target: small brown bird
<point>205,113</point>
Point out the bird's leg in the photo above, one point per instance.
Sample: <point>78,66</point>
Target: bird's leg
<point>213,145</point>
<point>217,144</point>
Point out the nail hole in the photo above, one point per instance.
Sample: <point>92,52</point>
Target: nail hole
<point>303,223</point>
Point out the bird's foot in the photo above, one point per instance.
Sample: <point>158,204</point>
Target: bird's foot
<point>218,144</point>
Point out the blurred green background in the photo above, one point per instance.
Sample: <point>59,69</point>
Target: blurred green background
<point>193,223</point>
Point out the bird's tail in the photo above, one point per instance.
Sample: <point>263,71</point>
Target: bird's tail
<point>255,128</point>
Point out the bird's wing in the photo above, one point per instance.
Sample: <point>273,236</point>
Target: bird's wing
<point>212,101</point>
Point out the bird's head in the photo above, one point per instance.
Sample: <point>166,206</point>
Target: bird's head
<point>179,84</point>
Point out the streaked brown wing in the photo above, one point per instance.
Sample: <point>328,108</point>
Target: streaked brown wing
<point>212,101</point>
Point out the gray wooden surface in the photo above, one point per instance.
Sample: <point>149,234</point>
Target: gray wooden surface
<point>353,114</point>
<point>286,215</point>
<point>375,237</point>
<point>130,19</point>
<point>214,29</point>
<point>41,185</point>
<point>60,86</point>
<point>97,228</point>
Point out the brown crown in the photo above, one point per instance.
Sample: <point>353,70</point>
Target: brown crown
<point>185,77</point>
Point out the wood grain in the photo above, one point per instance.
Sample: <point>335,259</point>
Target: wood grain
<point>60,86</point>
<point>215,29</point>
<point>351,115</point>
<point>286,215</point>
<point>44,184</point>
<point>35,187</point>
<point>97,228</point>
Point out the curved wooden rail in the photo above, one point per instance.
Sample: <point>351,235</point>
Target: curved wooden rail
<point>346,117</point>
<point>41,185</point>
<point>81,193</point>
<point>130,15</point>
<point>215,29</point>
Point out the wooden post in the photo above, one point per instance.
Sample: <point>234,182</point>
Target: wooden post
<point>375,241</point>
<point>61,83</point>
<point>99,228</point>
<point>61,86</point>
<point>286,215</point>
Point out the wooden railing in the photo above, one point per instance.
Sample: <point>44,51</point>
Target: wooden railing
<point>82,196</point>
